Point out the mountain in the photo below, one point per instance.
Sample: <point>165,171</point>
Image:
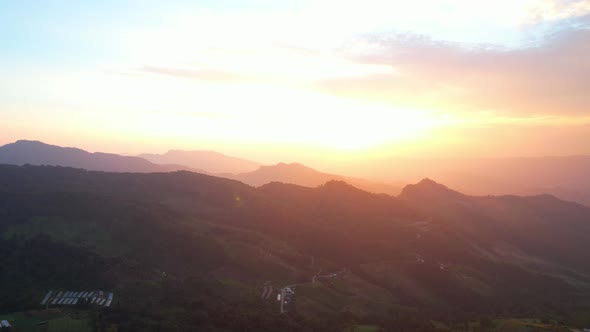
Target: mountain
<point>38,153</point>
<point>540,232</point>
<point>210,161</point>
<point>429,190</point>
<point>430,253</point>
<point>566,177</point>
<point>305,176</point>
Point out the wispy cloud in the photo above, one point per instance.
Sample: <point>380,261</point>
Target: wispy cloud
<point>553,10</point>
<point>550,78</point>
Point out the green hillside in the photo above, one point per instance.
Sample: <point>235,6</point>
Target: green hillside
<point>185,249</point>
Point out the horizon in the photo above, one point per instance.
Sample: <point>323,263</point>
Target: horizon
<point>560,176</point>
<point>338,166</point>
<point>249,79</point>
<point>165,151</point>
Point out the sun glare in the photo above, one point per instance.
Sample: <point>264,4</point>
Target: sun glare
<point>281,115</point>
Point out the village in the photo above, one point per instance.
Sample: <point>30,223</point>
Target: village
<point>286,295</point>
<point>54,302</point>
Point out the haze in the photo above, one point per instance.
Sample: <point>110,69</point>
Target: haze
<point>317,82</point>
<point>295,165</point>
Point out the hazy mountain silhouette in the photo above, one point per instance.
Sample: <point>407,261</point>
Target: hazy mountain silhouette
<point>38,153</point>
<point>302,175</point>
<point>210,161</point>
<point>566,177</point>
<point>429,190</point>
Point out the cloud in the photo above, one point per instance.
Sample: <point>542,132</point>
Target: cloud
<point>553,10</point>
<point>545,79</point>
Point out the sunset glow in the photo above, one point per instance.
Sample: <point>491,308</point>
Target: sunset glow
<point>315,77</point>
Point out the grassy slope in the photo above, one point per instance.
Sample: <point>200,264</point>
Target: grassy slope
<point>237,233</point>
<point>53,320</point>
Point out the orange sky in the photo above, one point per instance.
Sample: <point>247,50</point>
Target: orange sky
<point>318,82</point>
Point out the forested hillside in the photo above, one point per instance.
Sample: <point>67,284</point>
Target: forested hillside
<point>185,249</point>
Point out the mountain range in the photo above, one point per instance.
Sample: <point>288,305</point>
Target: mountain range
<point>563,177</point>
<point>566,177</point>
<point>431,252</point>
<point>207,162</point>
<point>210,161</point>
<point>38,153</point>
<point>302,175</point>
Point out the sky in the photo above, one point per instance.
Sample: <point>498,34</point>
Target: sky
<point>318,82</point>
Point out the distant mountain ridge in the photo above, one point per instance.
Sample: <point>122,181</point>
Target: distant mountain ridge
<point>38,153</point>
<point>207,162</point>
<point>302,175</point>
<point>429,189</point>
<point>210,161</point>
<point>566,177</point>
